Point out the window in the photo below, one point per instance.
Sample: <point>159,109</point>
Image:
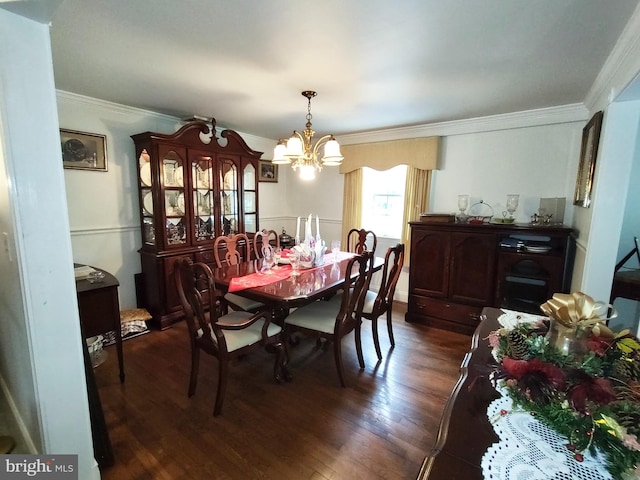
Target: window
<point>383,200</point>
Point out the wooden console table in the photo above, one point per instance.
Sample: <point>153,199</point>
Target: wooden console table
<point>99,310</point>
<point>465,432</point>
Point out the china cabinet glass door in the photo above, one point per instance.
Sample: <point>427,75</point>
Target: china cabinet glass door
<point>203,198</point>
<point>146,199</point>
<point>229,209</point>
<point>250,201</point>
<point>172,171</point>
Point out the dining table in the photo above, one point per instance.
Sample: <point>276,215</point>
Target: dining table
<point>279,290</point>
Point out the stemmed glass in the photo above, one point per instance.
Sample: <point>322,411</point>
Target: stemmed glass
<point>277,255</point>
<point>335,249</point>
<point>294,259</point>
<point>512,204</point>
<point>267,259</point>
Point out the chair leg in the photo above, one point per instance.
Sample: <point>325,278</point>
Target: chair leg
<point>195,365</point>
<point>390,328</point>
<point>222,386</point>
<point>337,353</point>
<point>376,338</point>
<point>359,346</point>
<point>280,369</point>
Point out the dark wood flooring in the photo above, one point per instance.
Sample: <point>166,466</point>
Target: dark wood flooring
<point>380,427</point>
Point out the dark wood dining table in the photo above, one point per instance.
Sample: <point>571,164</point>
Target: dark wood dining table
<point>465,432</point>
<point>295,291</point>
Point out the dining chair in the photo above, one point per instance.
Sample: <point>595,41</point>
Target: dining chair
<point>380,302</point>
<point>359,240</point>
<point>332,320</point>
<point>236,250</point>
<point>236,246</point>
<point>263,237</point>
<point>225,337</point>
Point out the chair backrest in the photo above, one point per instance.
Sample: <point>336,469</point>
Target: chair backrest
<point>393,262</point>
<point>354,292</point>
<point>237,249</point>
<point>196,289</point>
<point>359,240</point>
<point>263,237</point>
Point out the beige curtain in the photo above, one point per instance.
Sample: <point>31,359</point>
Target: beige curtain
<point>352,203</point>
<point>416,201</point>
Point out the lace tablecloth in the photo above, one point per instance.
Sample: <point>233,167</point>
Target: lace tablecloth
<point>529,450</point>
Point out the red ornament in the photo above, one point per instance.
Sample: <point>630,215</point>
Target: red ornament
<point>571,447</point>
<point>503,412</point>
<point>578,457</point>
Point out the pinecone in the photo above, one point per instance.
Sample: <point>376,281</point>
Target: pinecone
<point>622,370</point>
<point>518,348</point>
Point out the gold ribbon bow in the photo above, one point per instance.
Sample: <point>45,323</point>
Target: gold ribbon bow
<point>577,309</point>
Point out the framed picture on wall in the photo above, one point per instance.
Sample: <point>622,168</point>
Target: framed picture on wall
<point>588,154</point>
<point>83,151</point>
<point>267,171</point>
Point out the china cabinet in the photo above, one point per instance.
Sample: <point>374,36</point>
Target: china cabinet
<point>193,187</point>
<point>457,269</point>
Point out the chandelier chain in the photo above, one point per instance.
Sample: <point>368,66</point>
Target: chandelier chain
<point>309,116</point>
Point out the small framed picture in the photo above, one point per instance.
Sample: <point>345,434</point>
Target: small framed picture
<point>83,151</point>
<point>588,154</point>
<point>267,171</point>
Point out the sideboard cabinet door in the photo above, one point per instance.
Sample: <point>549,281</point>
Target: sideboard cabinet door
<point>432,250</point>
<point>472,278</point>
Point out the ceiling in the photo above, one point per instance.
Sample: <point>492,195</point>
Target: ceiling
<point>374,63</point>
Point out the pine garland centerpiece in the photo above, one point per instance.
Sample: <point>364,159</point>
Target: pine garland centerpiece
<point>589,393</point>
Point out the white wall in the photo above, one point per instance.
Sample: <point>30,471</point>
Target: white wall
<point>629,310</point>
<point>602,224</point>
<point>534,162</point>
<point>41,364</point>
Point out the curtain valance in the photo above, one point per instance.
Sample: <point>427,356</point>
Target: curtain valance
<point>419,153</point>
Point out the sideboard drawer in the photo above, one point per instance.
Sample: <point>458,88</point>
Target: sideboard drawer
<point>446,310</point>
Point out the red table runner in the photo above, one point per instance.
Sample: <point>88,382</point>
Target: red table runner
<point>260,279</point>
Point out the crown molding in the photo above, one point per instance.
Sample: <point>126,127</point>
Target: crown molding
<point>621,62</point>
<point>115,107</point>
<point>576,112</point>
<point>530,118</point>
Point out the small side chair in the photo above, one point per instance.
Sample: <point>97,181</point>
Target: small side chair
<point>376,304</point>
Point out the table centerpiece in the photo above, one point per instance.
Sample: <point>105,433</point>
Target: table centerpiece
<point>576,376</point>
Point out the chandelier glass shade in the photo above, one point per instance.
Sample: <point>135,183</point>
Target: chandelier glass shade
<point>300,152</point>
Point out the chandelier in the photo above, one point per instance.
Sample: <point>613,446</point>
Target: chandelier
<point>299,152</point>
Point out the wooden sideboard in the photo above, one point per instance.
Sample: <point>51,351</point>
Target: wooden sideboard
<point>99,309</point>
<point>457,269</point>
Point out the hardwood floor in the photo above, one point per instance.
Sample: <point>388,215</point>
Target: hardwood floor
<point>380,427</point>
